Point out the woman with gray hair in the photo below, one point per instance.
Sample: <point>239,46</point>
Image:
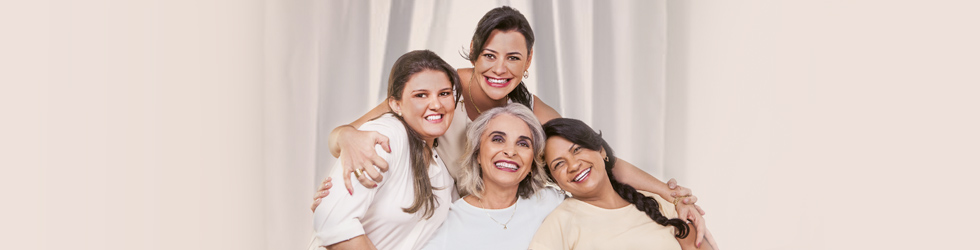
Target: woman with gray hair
<point>505,198</point>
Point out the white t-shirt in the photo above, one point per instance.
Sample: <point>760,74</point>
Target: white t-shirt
<point>377,212</point>
<point>470,227</point>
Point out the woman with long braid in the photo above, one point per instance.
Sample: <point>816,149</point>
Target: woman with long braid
<point>602,213</point>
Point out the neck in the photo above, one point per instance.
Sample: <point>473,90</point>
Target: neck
<point>606,197</point>
<point>479,99</point>
<point>496,197</point>
<point>429,142</point>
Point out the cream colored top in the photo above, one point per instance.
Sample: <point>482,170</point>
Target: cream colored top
<point>377,212</point>
<point>578,225</point>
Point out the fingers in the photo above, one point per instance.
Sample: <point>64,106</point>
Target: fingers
<point>672,183</point>
<point>699,224</point>
<point>324,189</point>
<point>347,184</point>
<point>322,192</point>
<point>682,213</point>
<point>383,141</point>
<point>365,180</point>
<point>700,211</point>
<point>690,200</point>
<point>316,203</point>
<point>380,163</point>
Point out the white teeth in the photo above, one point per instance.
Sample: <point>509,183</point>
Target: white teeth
<point>433,117</point>
<point>506,165</point>
<point>498,81</point>
<point>582,175</point>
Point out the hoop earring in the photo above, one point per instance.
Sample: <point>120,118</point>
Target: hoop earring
<point>525,74</point>
<point>606,158</point>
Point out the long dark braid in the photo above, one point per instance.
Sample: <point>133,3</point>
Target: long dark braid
<point>643,203</point>
<point>579,133</point>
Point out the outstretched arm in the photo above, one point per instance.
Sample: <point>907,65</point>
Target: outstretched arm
<point>639,179</point>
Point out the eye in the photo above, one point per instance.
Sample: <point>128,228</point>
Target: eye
<point>421,95</point>
<point>558,165</point>
<point>446,93</point>
<point>490,56</point>
<point>514,58</point>
<point>497,138</point>
<point>524,143</point>
<point>577,149</point>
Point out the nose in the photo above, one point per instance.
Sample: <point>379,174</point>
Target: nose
<point>498,67</point>
<point>434,102</point>
<point>574,165</point>
<point>509,151</point>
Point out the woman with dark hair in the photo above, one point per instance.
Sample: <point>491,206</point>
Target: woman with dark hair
<point>403,210</point>
<point>501,52</point>
<point>602,213</point>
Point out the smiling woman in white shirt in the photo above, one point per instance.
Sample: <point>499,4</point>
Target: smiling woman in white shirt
<point>412,199</point>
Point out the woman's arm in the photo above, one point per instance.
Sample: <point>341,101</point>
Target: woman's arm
<point>356,243</point>
<point>627,173</point>
<point>355,149</point>
<point>688,243</point>
<point>624,171</point>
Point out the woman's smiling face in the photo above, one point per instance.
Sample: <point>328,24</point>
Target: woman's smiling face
<point>502,63</point>
<point>576,169</point>
<point>506,151</point>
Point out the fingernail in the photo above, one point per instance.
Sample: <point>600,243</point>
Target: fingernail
<point>375,185</point>
<point>699,245</point>
<point>673,194</point>
<point>351,192</point>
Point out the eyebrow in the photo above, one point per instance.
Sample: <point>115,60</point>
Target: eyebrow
<point>569,150</point>
<point>509,53</point>
<point>444,89</point>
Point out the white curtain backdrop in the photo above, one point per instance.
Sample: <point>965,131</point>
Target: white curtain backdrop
<point>327,63</point>
<point>601,62</point>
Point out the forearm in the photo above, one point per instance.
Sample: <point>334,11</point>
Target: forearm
<point>628,174</point>
<point>337,133</point>
<point>359,242</point>
<point>334,141</point>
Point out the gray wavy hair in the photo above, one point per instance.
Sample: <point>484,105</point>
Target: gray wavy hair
<point>471,179</point>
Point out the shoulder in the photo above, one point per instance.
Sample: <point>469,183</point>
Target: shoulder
<point>550,195</point>
<point>387,125</point>
<point>464,73</point>
<point>542,111</point>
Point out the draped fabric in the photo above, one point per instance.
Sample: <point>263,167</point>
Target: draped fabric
<point>599,62</point>
<point>327,63</point>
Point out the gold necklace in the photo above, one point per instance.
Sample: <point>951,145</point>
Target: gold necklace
<point>473,101</point>
<point>485,209</point>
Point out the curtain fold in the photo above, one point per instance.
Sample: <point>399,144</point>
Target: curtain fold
<point>601,62</point>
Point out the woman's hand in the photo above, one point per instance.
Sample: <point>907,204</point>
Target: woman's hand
<point>687,210</point>
<point>357,153</point>
<point>686,196</point>
<point>323,192</point>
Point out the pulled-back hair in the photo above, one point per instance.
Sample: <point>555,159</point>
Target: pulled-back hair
<point>579,133</point>
<point>503,18</point>
<point>405,67</point>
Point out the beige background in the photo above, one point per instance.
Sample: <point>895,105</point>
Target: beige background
<point>801,125</point>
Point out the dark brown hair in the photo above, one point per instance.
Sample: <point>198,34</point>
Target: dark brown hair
<point>503,18</point>
<point>405,67</point>
<point>579,133</point>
